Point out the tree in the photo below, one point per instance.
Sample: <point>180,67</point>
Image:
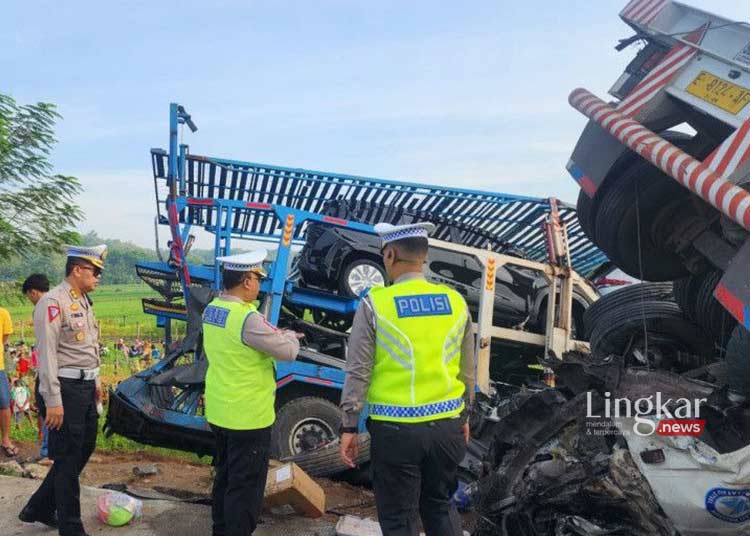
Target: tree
<point>37,208</point>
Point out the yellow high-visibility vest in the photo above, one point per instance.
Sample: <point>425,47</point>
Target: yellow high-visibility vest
<point>419,330</point>
<point>240,381</point>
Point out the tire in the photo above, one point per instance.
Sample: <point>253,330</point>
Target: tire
<point>327,461</point>
<point>738,361</point>
<point>663,204</point>
<point>303,425</point>
<point>669,332</point>
<point>359,275</point>
<point>625,234</point>
<point>625,160</point>
<point>322,459</point>
<point>630,294</point>
<point>685,292</point>
<point>709,313</point>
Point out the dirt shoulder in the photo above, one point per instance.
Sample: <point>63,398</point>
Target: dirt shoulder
<point>180,478</point>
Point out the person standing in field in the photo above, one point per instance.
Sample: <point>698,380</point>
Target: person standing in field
<point>6,328</point>
<point>21,397</point>
<point>34,288</point>
<point>67,336</point>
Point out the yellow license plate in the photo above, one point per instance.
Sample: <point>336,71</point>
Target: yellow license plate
<point>726,95</point>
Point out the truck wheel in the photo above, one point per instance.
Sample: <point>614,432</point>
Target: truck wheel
<point>359,275</point>
<point>647,254</point>
<point>672,343</point>
<point>665,208</point>
<point>738,361</point>
<point>306,433</point>
<point>685,293</point>
<point>304,425</point>
<point>630,294</point>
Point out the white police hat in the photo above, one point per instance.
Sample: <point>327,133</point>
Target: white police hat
<point>391,233</point>
<point>245,262</point>
<point>93,254</point>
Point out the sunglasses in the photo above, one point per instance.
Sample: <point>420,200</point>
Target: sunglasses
<point>94,270</point>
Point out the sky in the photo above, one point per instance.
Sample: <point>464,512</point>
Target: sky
<point>472,94</point>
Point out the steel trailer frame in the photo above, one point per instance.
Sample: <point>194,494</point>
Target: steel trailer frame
<point>185,204</point>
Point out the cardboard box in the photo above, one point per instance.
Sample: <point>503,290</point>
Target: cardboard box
<point>288,484</point>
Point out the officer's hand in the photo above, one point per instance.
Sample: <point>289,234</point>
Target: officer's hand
<point>349,448</point>
<point>98,394</point>
<point>466,431</point>
<point>294,334</point>
<point>54,419</point>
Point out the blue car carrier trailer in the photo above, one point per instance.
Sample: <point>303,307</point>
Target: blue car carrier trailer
<point>233,200</point>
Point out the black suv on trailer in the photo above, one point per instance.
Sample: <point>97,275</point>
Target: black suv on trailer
<point>349,262</point>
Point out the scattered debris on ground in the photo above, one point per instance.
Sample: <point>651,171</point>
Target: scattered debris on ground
<point>180,479</point>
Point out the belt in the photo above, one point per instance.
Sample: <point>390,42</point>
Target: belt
<point>78,374</point>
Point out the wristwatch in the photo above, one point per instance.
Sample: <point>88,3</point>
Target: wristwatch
<point>347,430</point>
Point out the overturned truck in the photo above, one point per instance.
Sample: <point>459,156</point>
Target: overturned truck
<point>650,432</point>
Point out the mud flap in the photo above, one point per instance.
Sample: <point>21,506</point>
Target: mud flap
<point>733,291</point>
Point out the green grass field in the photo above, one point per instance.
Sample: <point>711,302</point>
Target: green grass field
<point>118,310</point>
<point>28,434</point>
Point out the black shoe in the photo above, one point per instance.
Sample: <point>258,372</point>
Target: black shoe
<point>27,515</point>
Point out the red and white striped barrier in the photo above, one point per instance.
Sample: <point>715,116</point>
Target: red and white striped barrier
<point>732,153</point>
<point>662,74</point>
<point>654,81</point>
<point>643,11</point>
<point>694,175</point>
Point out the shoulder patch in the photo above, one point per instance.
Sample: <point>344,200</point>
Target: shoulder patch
<point>423,305</point>
<point>216,316</point>
<point>53,311</point>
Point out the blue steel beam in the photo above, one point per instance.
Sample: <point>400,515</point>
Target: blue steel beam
<point>276,285</point>
<point>510,218</point>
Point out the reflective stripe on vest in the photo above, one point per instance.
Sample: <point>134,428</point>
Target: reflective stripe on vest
<point>419,331</point>
<point>240,381</point>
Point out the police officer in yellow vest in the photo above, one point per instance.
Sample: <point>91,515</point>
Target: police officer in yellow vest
<point>67,339</point>
<point>411,357</point>
<point>241,346</point>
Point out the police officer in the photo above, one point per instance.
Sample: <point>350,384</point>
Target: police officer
<point>67,340</point>
<point>411,358</point>
<point>241,346</point>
